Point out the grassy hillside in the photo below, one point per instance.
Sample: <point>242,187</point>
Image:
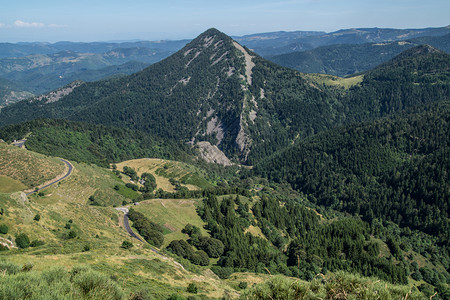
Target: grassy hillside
<point>31,169</point>
<point>167,172</point>
<point>98,237</point>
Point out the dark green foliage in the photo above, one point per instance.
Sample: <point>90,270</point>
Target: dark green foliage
<point>149,183</point>
<point>130,172</point>
<point>132,186</point>
<point>340,246</point>
<point>37,243</point>
<point>392,169</point>
<point>86,248</point>
<point>192,288</point>
<point>213,247</point>
<point>27,267</point>
<point>4,228</point>
<point>22,241</point>
<point>222,272</point>
<point>150,231</point>
<point>176,297</point>
<point>243,285</point>
<point>394,248</point>
<point>127,245</point>
<point>37,217</point>
<point>71,234</point>
<point>183,249</point>
<point>240,250</point>
<point>89,143</point>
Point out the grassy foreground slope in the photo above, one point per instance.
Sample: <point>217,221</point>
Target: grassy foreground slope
<point>71,235</point>
<point>75,233</point>
<point>31,169</point>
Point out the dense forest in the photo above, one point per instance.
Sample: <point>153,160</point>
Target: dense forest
<point>394,169</point>
<point>84,142</point>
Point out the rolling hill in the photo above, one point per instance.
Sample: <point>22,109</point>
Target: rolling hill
<point>224,99</point>
<point>348,59</point>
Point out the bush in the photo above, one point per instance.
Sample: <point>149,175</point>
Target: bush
<point>127,245</point>
<point>141,295</point>
<point>9,268</point>
<point>37,217</point>
<point>3,228</point>
<point>22,241</point>
<point>91,284</point>
<point>27,267</point>
<point>222,272</point>
<point>134,187</point>
<point>86,248</point>
<point>243,285</point>
<point>71,234</point>
<point>192,288</point>
<point>36,243</point>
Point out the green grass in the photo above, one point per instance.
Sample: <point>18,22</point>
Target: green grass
<point>127,192</point>
<point>331,286</point>
<point>30,168</point>
<point>331,80</point>
<point>173,214</point>
<point>9,185</point>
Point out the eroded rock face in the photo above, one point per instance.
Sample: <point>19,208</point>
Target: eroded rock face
<point>59,93</point>
<point>212,154</point>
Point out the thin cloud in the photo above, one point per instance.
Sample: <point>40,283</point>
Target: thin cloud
<point>23,24</point>
<point>57,26</point>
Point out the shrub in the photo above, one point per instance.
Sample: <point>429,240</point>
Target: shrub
<point>243,285</point>
<point>22,241</point>
<point>222,272</point>
<point>127,245</point>
<point>71,234</point>
<point>192,288</point>
<point>9,268</point>
<point>27,267</point>
<point>36,243</point>
<point>37,217</point>
<point>91,284</point>
<point>86,248</point>
<point>3,228</point>
<point>141,295</point>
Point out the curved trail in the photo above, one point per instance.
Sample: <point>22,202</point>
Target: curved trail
<point>69,172</point>
<point>126,224</point>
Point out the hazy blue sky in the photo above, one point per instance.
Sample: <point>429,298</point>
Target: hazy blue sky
<point>83,20</point>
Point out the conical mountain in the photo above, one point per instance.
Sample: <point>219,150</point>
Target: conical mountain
<point>234,105</point>
<point>213,93</point>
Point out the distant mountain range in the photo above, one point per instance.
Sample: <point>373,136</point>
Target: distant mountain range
<point>348,59</point>
<point>37,68</point>
<point>225,99</point>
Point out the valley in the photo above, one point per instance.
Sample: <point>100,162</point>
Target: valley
<point>240,178</point>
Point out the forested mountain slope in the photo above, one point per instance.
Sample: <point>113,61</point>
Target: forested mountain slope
<point>218,93</point>
<point>348,59</point>
<point>392,169</point>
<point>83,142</point>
